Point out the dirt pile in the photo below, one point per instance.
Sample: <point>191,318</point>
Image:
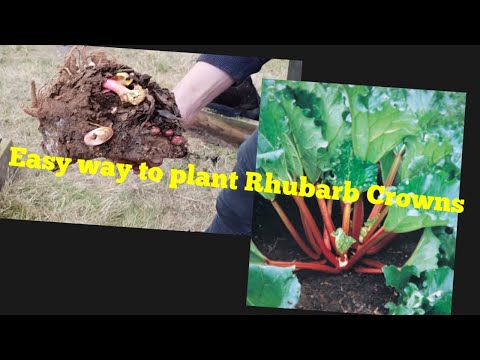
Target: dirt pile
<point>97,108</point>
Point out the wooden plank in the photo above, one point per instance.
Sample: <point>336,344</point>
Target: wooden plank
<point>4,160</point>
<point>295,70</point>
<point>232,130</point>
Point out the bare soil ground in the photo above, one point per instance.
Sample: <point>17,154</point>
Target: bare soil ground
<point>348,292</point>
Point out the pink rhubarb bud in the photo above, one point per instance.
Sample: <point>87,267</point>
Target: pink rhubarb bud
<point>134,97</point>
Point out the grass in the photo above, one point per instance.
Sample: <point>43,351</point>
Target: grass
<point>86,199</point>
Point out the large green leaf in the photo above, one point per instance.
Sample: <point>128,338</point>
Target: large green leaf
<point>273,120</point>
<point>271,155</point>
<point>362,174</point>
<point>433,297</point>
<point>358,105</point>
<point>326,104</point>
<point>377,126</point>
<point>294,163</point>
<point>275,153</point>
<point>270,159</point>
<point>307,136</point>
<point>438,147</point>
<point>447,238</point>
<point>437,184</point>
<point>399,278</point>
<point>403,310</point>
<point>256,257</point>
<point>424,103</point>
<point>440,279</point>
<point>443,304</point>
<point>295,117</point>
<point>431,107</point>
<point>303,127</point>
<point>451,133</point>
<point>436,107</point>
<point>438,288</point>
<point>439,144</point>
<point>425,256</point>
<point>412,300</point>
<point>422,155</point>
<point>385,164</point>
<point>266,195</point>
<point>272,286</point>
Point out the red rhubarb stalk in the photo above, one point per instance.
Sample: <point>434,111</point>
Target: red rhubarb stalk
<point>327,221</point>
<point>382,243</point>
<point>389,181</point>
<point>364,247</point>
<point>357,217</point>
<point>372,263</point>
<point>317,266</point>
<point>308,231</point>
<point>293,263</point>
<point>346,218</point>
<point>316,232</point>
<point>293,232</point>
<point>377,222</point>
<point>374,239</point>
<point>365,270</point>
<point>326,238</point>
<point>329,206</point>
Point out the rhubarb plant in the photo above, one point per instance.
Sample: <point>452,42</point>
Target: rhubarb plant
<point>409,141</point>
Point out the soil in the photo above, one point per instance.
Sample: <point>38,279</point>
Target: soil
<point>347,292</point>
<point>73,103</point>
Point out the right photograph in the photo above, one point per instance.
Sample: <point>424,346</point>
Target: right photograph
<point>387,247</point>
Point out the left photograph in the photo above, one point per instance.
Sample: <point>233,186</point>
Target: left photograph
<point>81,129</point>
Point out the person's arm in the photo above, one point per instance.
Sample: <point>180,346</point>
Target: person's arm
<point>202,84</point>
<point>208,78</point>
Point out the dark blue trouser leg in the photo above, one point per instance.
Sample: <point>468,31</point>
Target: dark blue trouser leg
<point>235,207</point>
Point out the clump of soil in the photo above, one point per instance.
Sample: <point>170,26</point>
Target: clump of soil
<point>74,103</point>
<point>347,292</point>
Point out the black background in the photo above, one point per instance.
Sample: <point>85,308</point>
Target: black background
<point>65,268</point>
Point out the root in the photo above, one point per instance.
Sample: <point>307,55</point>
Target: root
<point>83,58</point>
<point>33,112</point>
<point>76,59</point>
<point>71,61</point>
<point>68,71</point>
<point>33,92</point>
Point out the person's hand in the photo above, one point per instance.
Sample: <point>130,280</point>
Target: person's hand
<point>202,84</point>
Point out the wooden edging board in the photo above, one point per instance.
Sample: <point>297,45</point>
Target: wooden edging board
<point>229,129</point>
